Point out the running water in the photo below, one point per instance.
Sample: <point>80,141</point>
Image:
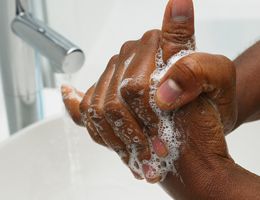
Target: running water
<point>72,138</point>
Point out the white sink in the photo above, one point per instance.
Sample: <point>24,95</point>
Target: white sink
<point>45,162</point>
<point>55,160</point>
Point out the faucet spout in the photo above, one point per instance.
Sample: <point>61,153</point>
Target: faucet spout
<point>63,54</point>
<point>21,36</point>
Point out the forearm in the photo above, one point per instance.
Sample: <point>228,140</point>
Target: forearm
<point>248,84</point>
<point>222,179</point>
<point>234,182</point>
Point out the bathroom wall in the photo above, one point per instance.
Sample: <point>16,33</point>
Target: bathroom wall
<point>100,27</point>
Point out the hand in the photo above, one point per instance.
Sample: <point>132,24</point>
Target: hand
<point>117,111</point>
<point>119,114</point>
<point>202,88</point>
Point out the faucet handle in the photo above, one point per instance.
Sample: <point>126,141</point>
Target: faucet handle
<point>67,57</point>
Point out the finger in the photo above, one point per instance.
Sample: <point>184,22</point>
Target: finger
<point>196,74</point>
<point>118,114</point>
<point>149,174</point>
<point>88,123</point>
<point>135,88</point>
<point>97,115</point>
<point>72,98</point>
<point>178,28</point>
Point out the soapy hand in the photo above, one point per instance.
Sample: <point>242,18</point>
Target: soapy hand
<point>178,127</point>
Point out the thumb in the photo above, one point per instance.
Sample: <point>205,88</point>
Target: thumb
<point>212,75</point>
<point>178,28</point>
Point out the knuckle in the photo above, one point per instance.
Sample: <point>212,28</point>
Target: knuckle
<point>111,109</point>
<point>113,60</point>
<point>95,113</point>
<point>133,87</point>
<point>189,68</point>
<point>228,64</point>
<point>180,35</point>
<point>152,34</point>
<point>127,46</point>
<point>227,72</point>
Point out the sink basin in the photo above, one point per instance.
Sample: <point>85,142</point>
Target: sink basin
<point>55,160</point>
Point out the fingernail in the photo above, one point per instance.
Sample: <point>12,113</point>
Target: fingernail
<point>150,174</point>
<point>168,92</point>
<point>159,147</point>
<point>182,10</point>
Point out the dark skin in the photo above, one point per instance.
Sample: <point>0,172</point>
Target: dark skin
<point>208,92</point>
<point>248,73</point>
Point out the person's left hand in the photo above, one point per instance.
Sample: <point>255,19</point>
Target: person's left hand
<point>117,110</point>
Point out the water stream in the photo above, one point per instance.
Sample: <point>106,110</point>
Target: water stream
<point>72,138</point>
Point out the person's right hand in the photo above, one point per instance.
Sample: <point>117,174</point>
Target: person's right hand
<point>200,87</point>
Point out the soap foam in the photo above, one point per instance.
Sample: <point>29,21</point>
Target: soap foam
<point>167,132</point>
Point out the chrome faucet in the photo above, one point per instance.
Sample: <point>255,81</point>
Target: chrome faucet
<point>21,36</point>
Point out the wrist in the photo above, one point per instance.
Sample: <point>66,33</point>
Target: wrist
<point>200,178</point>
<point>248,93</point>
<point>223,179</point>
<point>248,107</point>
<point>234,182</point>
<point>213,179</point>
